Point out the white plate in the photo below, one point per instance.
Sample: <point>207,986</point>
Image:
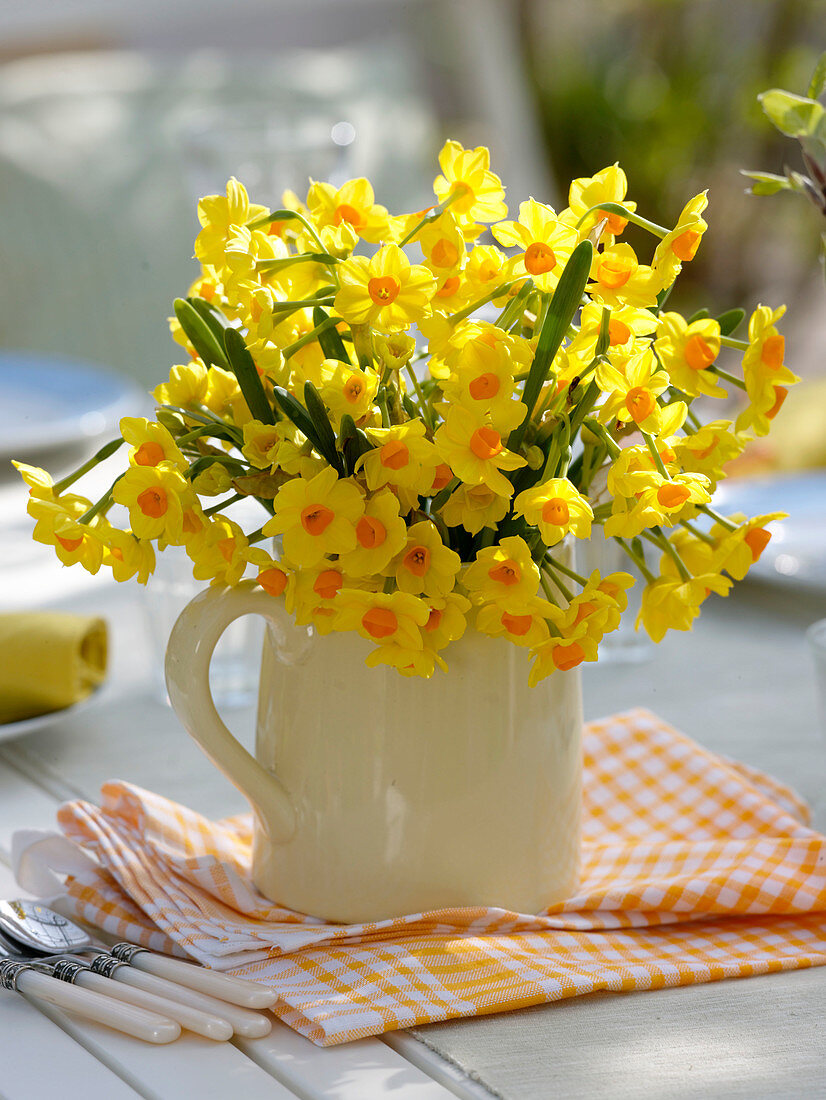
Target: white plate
<point>40,721</point>
<point>50,402</point>
<point>797,551</point>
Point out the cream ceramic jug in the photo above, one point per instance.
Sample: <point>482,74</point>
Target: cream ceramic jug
<point>377,795</point>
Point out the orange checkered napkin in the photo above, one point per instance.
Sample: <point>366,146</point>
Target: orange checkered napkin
<point>695,868</point>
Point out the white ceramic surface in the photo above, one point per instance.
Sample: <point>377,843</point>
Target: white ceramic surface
<point>8,730</point>
<point>378,795</point>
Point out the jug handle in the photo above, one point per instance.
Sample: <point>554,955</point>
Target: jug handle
<point>188,655</point>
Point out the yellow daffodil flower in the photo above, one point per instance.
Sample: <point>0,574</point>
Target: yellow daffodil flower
<point>316,517</point>
<point>352,204</point>
<point>546,243</point>
<point>681,244</point>
<point>127,556</point>
<point>425,566</point>
<point>633,390</point>
<point>522,622</point>
<point>619,279</point>
<point>466,174</point>
<point>737,551</point>
<point>707,450</point>
<point>346,389</point>
<point>381,534</point>
<point>474,507</point>
<point>220,215</point>
<point>766,376</point>
<point>609,185</point>
<point>402,457</point>
<point>483,382</point>
<point>669,603</point>
<point>156,497</point>
<point>475,451</point>
<point>221,555</point>
<point>442,245</point>
<point>57,526</point>
<point>556,508</point>
<point>505,573</point>
<point>386,291</point>
<point>687,351</point>
<point>187,385</point>
<point>447,620</point>
<point>487,268</point>
<point>558,654</point>
<point>151,443</point>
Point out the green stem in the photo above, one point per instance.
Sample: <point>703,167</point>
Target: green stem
<point>283,216</point>
<point>514,307</point>
<point>629,215</point>
<point>423,405</point>
<point>560,584</point>
<point>468,310</point>
<point>564,568</point>
<point>256,536</point>
<point>724,374</point>
<point>224,504</point>
<point>729,526</point>
<point>704,535</point>
<point>381,401</point>
<point>730,342</point>
<point>309,337</point>
<point>284,309</point>
<point>637,560</point>
<point>661,541</point>
<point>546,588</point>
<point>300,258</point>
<point>655,454</point>
<point>105,452</point>
<point>602,433</point>
<point>435,213</point>
<point>103,505</point>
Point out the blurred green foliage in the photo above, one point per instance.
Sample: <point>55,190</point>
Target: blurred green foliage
<point>669,89</point>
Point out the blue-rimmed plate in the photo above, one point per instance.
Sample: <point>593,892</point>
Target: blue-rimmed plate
<point>49,403</point>
<point>797,551</point>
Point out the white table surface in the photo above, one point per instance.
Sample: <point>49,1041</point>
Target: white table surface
<point>741,684</point>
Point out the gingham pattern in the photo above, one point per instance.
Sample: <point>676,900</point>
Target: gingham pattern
<point>695,868</point>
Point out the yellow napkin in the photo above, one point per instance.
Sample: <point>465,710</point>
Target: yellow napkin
<point>48,660</point>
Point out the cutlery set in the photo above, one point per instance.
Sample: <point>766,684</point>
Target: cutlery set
<point>46,956</point>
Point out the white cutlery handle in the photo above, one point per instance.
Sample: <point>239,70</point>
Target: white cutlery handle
<point>202,1023</point>
<point>223,986</point>
<point>134,1021</point>
<point>252,1025</point>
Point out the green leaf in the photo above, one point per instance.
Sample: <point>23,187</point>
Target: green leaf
<point>200,335</point>
<point>817,85</point>
<point>445,494</point>
<point>700,315</point>
<point>243,367</point>
<point>353,442</point>
<point>296,412</point>
<point>331,343</point>
<point>321,423</point>
<point>793,115</point>
<point>767,183</point>
<point>730,321</point>
<point>561,312</point>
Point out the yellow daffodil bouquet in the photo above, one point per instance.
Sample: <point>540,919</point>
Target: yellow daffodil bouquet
<point>425,406</point>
